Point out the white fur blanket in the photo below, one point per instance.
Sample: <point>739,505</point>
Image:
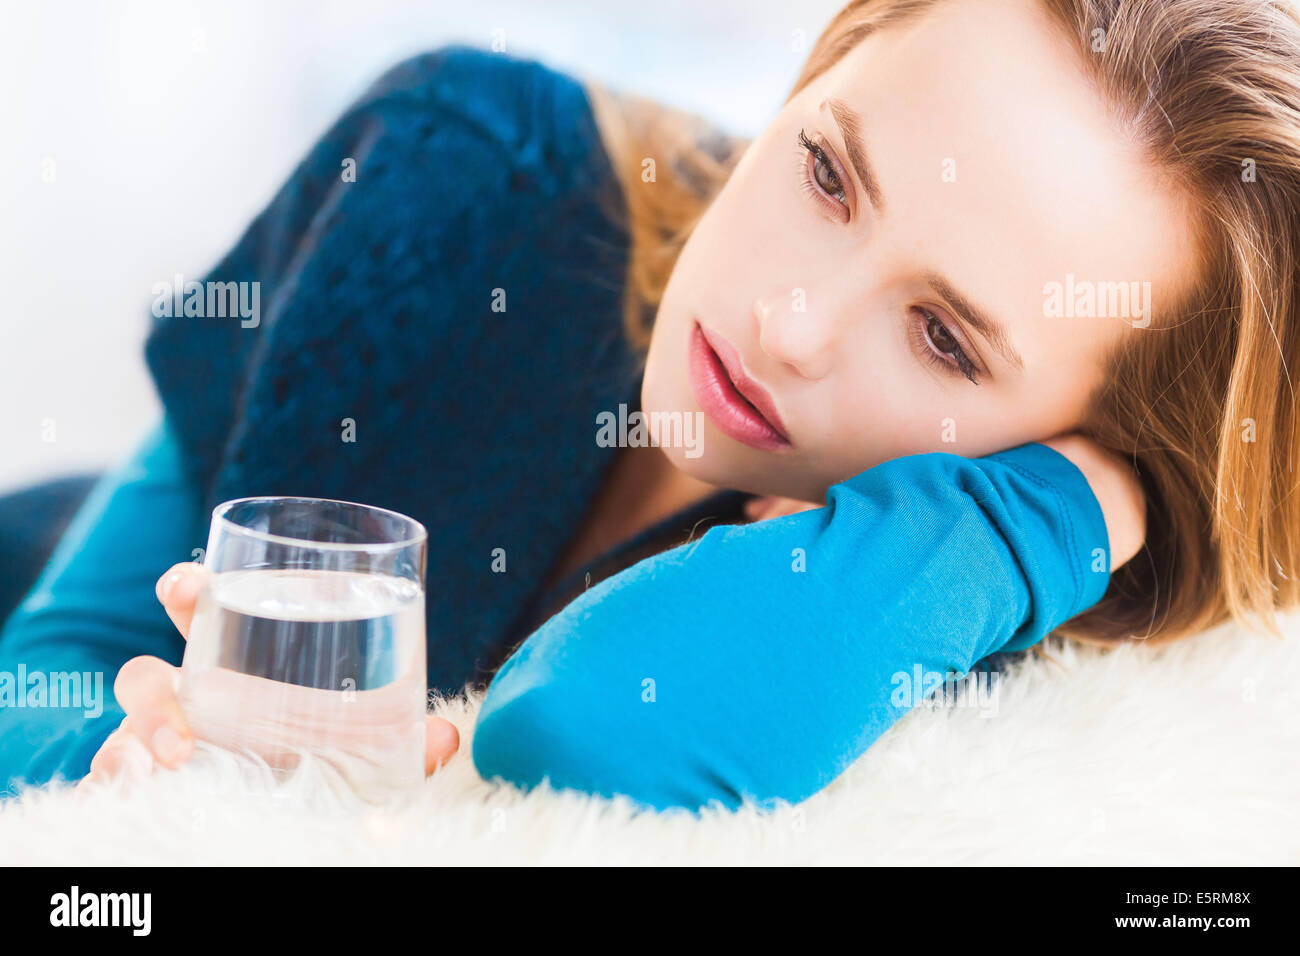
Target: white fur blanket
<point>1184,755</point>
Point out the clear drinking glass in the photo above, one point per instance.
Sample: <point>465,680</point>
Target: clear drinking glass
<point>309,638</point>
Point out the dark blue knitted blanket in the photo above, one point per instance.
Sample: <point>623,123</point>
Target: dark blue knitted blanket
<point>441,272</point>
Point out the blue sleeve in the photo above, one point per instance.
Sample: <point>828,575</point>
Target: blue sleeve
<point>758,663</point>
<point>92,609</point>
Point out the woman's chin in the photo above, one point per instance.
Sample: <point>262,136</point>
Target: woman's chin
<point>705,462</point>
<point>724,463</point>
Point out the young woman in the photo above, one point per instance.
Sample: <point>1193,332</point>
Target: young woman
<point>1004,290</point>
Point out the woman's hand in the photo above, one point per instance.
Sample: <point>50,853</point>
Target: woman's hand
<point>766,506</point>
<point>155,730</point>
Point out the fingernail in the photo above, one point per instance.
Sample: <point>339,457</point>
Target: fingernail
<point>169,745</point>
<point>166,584</point>
<point>448,739</point>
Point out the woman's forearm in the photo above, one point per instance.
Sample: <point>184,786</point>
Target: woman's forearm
<point>757,663</point>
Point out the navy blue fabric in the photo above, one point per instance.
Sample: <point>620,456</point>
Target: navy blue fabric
<point>32,519</point>
<point>475,172</point>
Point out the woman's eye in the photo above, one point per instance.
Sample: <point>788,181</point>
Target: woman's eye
<point>938,339</point>
<point>822,178</point>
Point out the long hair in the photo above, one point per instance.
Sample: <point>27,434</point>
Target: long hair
<point>1202,401</point>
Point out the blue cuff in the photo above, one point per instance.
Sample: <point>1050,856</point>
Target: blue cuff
<point>1080,514</point>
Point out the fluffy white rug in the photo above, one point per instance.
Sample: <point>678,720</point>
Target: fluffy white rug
<point>1183,755</point>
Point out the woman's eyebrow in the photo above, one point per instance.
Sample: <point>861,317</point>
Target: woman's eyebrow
<point>993,331</point>
<point>850,125</point>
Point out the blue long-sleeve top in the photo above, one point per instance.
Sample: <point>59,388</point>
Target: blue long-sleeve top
<point>755,664</point>
<point>752,663</point>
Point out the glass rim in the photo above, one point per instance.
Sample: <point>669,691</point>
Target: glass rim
<point>420,533</point>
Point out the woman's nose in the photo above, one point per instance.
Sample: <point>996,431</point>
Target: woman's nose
<point>795,335</point>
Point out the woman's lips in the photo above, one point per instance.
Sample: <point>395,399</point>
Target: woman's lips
<point>734,402</point>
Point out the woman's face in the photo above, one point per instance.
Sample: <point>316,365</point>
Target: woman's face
<point>956,168</point>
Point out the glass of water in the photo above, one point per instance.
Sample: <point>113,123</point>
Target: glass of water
<point>308,638</point>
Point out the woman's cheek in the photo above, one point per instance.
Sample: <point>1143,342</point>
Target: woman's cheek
<point>762,220</point>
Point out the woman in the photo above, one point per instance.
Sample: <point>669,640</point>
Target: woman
<point>903,300</point>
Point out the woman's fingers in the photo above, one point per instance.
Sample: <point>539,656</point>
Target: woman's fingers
<point>156,731</point>
<point>178,590</point>
<point>765,507</point>
<point>146,689</point>
<point>441,740</point>
<point>121,750</point>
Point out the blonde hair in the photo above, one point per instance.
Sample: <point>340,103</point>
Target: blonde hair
<point>1202,401</point>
